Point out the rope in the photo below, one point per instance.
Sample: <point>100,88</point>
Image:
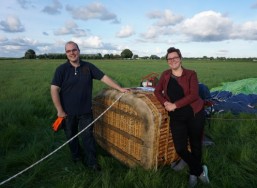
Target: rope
<point>3,182</point>
<point>231,119</point>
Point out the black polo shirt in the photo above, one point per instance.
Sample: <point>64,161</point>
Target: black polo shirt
<point>76,86</point>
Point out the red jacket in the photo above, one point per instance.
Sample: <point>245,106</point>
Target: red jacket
<point>189,82</point>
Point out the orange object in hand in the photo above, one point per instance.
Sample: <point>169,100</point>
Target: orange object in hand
<point>57,124</point>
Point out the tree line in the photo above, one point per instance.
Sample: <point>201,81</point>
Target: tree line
<point>125,54</point>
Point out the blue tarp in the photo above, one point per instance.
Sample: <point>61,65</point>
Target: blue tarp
<point>225,101</point>
<point>230,101</point>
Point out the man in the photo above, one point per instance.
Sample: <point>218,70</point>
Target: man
<point>71,92</point>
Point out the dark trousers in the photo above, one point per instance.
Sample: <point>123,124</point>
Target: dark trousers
<point>73,125</point>
<point>189,130</point>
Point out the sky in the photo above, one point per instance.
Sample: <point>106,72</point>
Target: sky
<point>212,28</point>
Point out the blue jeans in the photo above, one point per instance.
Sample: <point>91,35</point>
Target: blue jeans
<point>190,129</point>
<point>73,125</point>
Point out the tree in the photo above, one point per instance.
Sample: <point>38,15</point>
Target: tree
<point>116,56</point>
<point>126,53</point>
<point>30,54</point>
<point>106,56</point>
<point>154,57</point>
<point>98,56</point>
<point>135,57</point>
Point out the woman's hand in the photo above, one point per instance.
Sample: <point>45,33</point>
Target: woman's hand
<point>170,106</point>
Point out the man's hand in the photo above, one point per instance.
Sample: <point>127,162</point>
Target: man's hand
<point>124,90</point>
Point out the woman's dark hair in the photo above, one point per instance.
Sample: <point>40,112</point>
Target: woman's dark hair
<point>172,49</point>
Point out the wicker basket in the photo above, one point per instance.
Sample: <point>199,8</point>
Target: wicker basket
<point>135,130</point>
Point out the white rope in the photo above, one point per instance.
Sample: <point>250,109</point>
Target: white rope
<point>3,182</point>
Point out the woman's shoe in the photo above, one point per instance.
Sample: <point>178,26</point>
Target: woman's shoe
<point>192,181</point>
<point>180,165</point>
<point>204,176</point>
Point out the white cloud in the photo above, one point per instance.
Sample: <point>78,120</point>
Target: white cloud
<point>126,31</point>
<point>3,38</point>
<point>23,41</point>
<point>206,26</point>
<point>24,3</point>
<point>246,31</point>
<point>94,42</point>
<point>90,42</point>
<point>54,8</point>
<point>165,22</point>
<point>13,47</point>
<point>11,24</point>
<point>18,46</point>
<point>165,18</point>
<point>70,27</point>
<point>152,33</point>
<point>67,28</point>
<point>45,50</point>
<point>79,32</point>
<point>92,11</point>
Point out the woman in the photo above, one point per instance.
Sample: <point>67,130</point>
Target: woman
<point>178,91</point>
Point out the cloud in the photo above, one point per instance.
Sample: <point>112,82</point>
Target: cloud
<point>126,31</point>
<point>24,41</point>
<point>70,28</point>
<point>92,11</point>
<point>90,42</point>
<point>246,31</point>
<point>3,39</point>
<point>11,24</point>
<point>213,26</point>
<point>165,18</point>
<point>54,8</point>
<point>25,4</point>
<point>254,6</point>
<point>67,29</point>
<point>79,32</point>
<point>152,33</point>
<point>17,46</point>
<point>93,42</point>
<point>164,21</point>
<point>206,26</point>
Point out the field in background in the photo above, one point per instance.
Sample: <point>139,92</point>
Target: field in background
<point>27,112</point>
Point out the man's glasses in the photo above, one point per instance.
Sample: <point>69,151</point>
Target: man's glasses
<point>173,59</point>
<point>73,50</point>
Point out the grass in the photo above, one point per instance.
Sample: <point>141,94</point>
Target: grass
<point>27,112</point>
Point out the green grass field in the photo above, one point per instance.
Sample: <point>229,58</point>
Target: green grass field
<point>27,113</point>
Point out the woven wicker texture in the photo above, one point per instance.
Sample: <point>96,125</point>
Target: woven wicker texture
<point>135,130</point>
